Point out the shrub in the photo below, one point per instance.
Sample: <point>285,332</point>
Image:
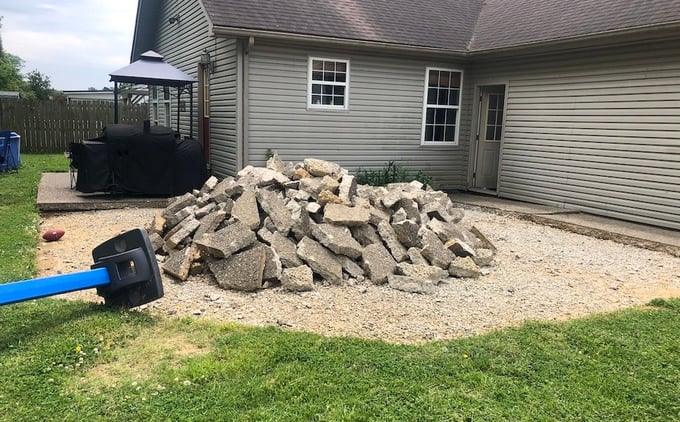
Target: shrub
<point>391,173</point>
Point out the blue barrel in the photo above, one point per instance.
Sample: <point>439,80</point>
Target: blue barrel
<point>10,150</point>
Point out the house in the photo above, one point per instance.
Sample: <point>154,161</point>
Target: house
<point>130,95</point>
<point>570,104</point>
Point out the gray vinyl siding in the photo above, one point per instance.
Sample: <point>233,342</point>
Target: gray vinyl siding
<point>596,132</point>
<point>383,121</point>
<point>181,45</point>
<point>224,144</point>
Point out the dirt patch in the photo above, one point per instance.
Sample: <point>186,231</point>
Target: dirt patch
<point>541,273</point>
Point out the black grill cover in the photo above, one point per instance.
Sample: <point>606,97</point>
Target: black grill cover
<point>129,160</point>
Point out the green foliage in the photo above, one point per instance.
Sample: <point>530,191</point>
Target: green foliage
<point>39,85</point>
<point>392,173</point>
<point>269,153</point>
<point>19,216</point>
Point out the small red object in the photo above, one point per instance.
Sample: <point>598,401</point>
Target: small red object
<point>52,235</point>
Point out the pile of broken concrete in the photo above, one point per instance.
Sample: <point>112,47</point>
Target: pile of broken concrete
<point>296,225</point>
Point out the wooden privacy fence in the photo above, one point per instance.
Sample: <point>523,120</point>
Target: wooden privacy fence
<point>49,126</point>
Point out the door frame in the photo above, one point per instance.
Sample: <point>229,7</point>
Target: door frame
<point>476,131</point>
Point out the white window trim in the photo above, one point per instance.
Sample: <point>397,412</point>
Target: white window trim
<point>425,106</point>
<point>309,85</point>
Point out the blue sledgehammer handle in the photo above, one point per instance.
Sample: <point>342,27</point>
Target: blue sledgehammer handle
<point>47,286</point>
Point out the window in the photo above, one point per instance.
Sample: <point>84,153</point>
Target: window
<point>494,118</point>
<point>441,110</point>
<point>328,83</point>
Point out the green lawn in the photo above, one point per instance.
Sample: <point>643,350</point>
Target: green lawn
<point>71,361</point>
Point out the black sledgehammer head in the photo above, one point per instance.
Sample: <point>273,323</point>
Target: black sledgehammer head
<point>132,267</point>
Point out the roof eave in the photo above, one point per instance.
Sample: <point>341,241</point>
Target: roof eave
<point>287,36</point>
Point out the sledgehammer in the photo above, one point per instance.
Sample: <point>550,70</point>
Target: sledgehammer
<point>125,273</point>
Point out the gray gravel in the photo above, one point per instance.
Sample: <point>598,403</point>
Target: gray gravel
<point>540,273</point>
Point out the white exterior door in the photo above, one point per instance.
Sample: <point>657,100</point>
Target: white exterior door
<point>488,139</point>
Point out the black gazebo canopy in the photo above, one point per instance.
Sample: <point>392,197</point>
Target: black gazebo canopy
<point>150,69</point>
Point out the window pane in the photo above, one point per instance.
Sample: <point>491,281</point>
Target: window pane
<point>440,116</point>
<point>316,99</point>
<point>438,133</point>
<point>454,97</point>
<point>500,102</point>
<point>428,133</point>
<point>339,100</point>
<point>490,132</point>
<point>316,89</point>
<point>499,132</point>
<point>443,96</point>
<point>339,90</point>
<point>491,119</point>
<point>317,76</point>
<point>329,66</point>
<point>432,95</point>
<point>450,117</point>
<point>455,80</point>
<point>433,78</point>
<point>317,65</point>
<point>493,101</point>
<point>328,89</point>
<point>166,92</point>
<point>450,135</point>
<point>341,67</point>
<point>429,119</point>
<point>444,79</point>
<point>341,77</point>
<point>326,100</point>
<point>328,76</point>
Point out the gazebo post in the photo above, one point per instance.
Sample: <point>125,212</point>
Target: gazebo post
<point>115,102</point>
<point>179,98</point>
<point>191,111</point>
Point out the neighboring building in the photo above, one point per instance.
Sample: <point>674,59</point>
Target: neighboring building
<point>134,95</point>
<point>14,95</point>
<point>571,104</point>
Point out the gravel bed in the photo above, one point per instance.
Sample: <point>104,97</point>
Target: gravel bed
<point>540,273</point>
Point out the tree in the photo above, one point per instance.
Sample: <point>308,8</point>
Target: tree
<point>10,77</point>
<point>39,85</point>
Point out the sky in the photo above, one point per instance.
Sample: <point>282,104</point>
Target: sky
<point>76,43</point>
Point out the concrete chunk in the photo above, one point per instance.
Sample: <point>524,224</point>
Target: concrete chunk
<point>416,257</point>
<point>345,216</point>
<point>433,249</point>
<point>298,279</point>
<point>186,229</point>
<point>179,263</point>
<point>407,233</point>
<point>321,168</point>
<point>242,271</point>
<point>388,235</point>
<point>459,248</point>
<point>464,268</point>
<point>286,250</point>
<point>156,241</point>
<point>338,239</point>
<point>245,209</point>
<point>365,235</point>
<point>276,209</point>
<point>311,185</point>
<point>302,224</point>
<point>410,284</point>
<point>321,260</point>
<point>422,272</point>
<point>178,203</point>
<point>327,197</point>
<point>172,220</point>
<point>347,188</point>
<point>272,263</point>
<point>351,267</point>
<point>226,241</point>
<point>378,263</point>
<point>209,185</point>
<point>210,223</point>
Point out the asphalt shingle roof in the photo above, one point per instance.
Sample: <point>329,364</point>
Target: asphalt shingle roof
<point>437,24</point>
<point>508,23</point>
<point>455,25</point>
